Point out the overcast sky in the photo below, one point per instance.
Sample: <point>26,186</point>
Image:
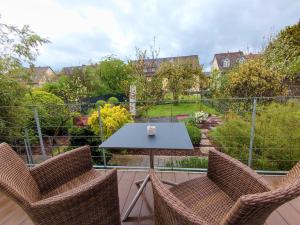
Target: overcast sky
<point>81,31</point>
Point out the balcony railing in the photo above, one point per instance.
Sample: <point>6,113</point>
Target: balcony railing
<point>261,132</point>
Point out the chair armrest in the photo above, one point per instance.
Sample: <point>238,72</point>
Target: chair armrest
<point>62,168</point>
<point>95,202</point>
<point>168,209</point>
<point>233,177</point>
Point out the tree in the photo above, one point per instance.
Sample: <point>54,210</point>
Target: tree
<point>115,76</point>
<point>283,52</point>
<point>18,46</point>
<point>178,76</point>
<point>53,114</point>
<point>146,87</point>
<point>11,114</point>
<point>79,84</point>
<point>254,79</point>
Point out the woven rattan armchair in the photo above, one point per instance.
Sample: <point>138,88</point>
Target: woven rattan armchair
<point>230,194</point>
<point>63,190</point>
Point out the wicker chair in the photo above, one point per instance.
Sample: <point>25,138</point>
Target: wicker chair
<point>63,190</point>
<point>230,194</point>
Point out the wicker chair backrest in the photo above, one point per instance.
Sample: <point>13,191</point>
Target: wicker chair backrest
<point>15,178</point>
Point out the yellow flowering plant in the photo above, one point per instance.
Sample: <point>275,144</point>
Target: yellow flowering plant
<point>112,117</point>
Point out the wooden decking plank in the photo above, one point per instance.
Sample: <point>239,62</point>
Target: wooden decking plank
<point>181,177</point>
<point>124,187</point>
<point>296,204</point>
<point>120,175</point>
<point>276,219</point>
<point>273,180</point>
<point>133,218</point>
<point>289,214</point>
<point>27,222</point>
<point>146,213</point>
<point>5,210</point>
<point>194,175</point>
<point>168,176</point>
<point>17,216</point>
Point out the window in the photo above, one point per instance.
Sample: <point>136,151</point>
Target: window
<point>226,63</point>
<point>145,71</point>
<point>241,60</point>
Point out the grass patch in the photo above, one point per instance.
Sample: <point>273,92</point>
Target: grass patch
<point>179,109</point>
<point>190,162</point>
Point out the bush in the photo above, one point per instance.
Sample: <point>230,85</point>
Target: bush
<point>200,117</point>
<point>113,118</point>
<point>113,100</point>
<point>189,162</point>
<point>276,141</point>
<point>100,103</point>
<point>194,133</point>
<point>81,136</point>
<point>54,116</point>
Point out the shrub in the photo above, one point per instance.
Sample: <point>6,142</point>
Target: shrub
<point>200,117</point>
<point>100,103</point>
<point>54,116</point>
<point>189,162</point>
<point>276,141</point>
<point>113,100</point>
<point>80,136</point>
<point>113,118</point>
<point>194,133</point>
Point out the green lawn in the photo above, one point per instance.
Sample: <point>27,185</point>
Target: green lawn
<point>182,108</point>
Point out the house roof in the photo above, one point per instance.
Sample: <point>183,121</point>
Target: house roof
<point>69,70</point>
<point>194,59</point>
<point>252,55</point>
<point>232,56</point>
<point>39,70</point>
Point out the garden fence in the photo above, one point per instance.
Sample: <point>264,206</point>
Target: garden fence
<point>263,132</point>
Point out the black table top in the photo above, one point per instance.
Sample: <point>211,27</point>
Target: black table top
<point>171,136</point>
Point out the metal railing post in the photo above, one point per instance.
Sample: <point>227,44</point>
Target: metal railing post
<point>171,119</point>
<point>28,147</point>
<point>101,135</point>
<point>252,133</point>
<point>38,127</point>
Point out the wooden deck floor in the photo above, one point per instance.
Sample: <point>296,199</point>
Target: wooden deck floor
<point>142,214</point>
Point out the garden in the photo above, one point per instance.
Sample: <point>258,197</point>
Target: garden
<point>90,104</point>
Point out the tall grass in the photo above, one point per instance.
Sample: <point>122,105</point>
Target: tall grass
<point>277,136</point>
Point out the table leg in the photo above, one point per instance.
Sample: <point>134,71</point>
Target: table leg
<point>139,182</point>
<point>136,197</point>
<point>168,182</point>
<point>151,159</point>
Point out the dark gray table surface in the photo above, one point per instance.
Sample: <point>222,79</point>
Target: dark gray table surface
<point>134,136</point>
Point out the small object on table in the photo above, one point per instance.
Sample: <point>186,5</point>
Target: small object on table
<point>151,130</point>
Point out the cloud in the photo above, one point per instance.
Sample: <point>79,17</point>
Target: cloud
<point>88,30</point>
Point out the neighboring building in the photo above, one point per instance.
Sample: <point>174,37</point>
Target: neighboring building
<point>41,75</point>
<point>151,65</point>
<point>69,70</point>
<point>225,61</point>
